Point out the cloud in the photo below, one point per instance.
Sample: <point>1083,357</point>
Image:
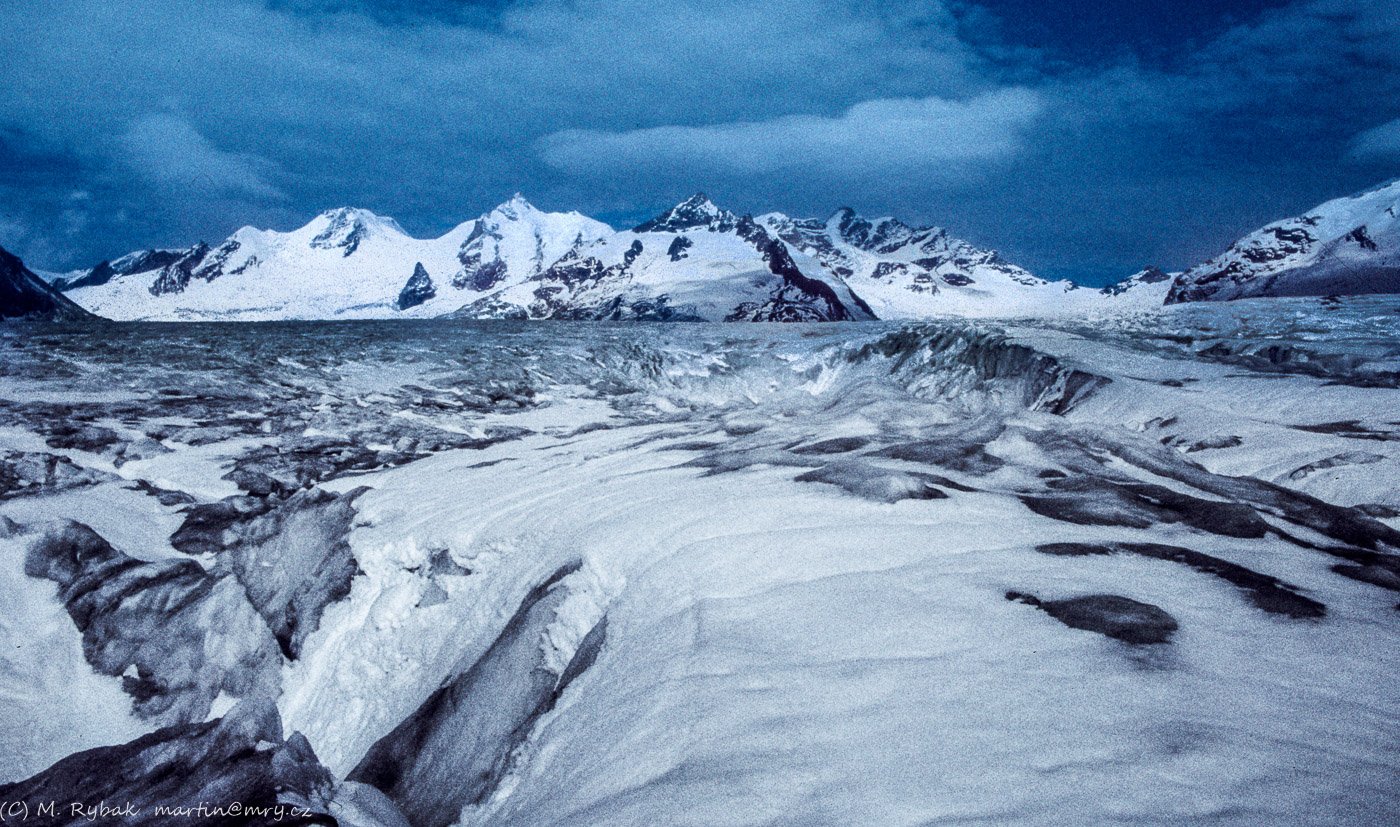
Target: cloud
<point>169,151</point>
<point>932,136</point>
<point>1378,143</point>
<point>433,111</point>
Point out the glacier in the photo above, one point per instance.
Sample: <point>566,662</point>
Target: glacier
<point>1135,568</point>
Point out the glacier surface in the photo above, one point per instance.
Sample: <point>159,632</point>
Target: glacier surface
<point>1136,570</point>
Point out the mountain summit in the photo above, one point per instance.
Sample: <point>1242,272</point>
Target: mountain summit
<point>1347,246</point>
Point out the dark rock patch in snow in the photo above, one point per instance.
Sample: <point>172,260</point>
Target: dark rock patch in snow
<point>838,445</point>
<point>1353,429</point>
<point>1380,511</point>
<point>1117,617</point>
<point>969,457</point>
<point>1087,500</point>
<point>1383,573</point>
<point>875,483</point>
<point>1267,593</point>
<point>417,290</point>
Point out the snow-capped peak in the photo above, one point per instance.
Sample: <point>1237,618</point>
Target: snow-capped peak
<point>696,212</point>
<point>347,227</point>
<point>513,210</point>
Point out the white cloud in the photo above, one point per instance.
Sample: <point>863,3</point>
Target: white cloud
<point>929,136</point>
<point>1378,142</point>
<point>167,150</point>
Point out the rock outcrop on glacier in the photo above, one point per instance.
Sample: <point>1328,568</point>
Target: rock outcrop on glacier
<point>418,289</point>
<point>23,295</point>
<point>1347,246</point>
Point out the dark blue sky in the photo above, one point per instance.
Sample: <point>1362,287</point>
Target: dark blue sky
<point>1084,140</point>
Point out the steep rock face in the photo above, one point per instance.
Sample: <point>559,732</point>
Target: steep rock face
<point>24,295</point>
<point>906,272</point>
<point>694,262</point>
<point>1347,246</point>
<point>418,289</point>
<point>142,261</point>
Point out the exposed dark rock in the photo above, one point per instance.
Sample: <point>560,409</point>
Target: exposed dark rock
<point>453,751</point>
<point>1117,617</point>
<point>1087,500</point>
<point>696,212</point>
<point>156,618</point>
<point>24,295</point>
<point>295,561</point>
<point>1379,511</point>
<point>967,456</point>
<point>1268,593</point>
<point>1360,533</point>
<point>132,264</point>
<point>237,768</point>
<point>874,483</point>
<point>1387,577</point>
<point>418,289</point>
<point>838,445</point>
<point>677,250</point>
<point>344,232</point>
<point>176,276</point>
<point>1214,444</point>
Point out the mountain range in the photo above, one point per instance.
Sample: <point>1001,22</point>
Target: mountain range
<point>697,262</point>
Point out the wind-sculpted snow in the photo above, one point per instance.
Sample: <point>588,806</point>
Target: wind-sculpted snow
<point>497,573</point>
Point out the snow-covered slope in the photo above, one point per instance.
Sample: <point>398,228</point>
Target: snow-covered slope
<point>1347,246</point>
<point>1144,290</point>
<point>695,262</point>
<point>516,242</point>
<point>345,263</point>
<point>908,272</point>
<point>23,295</point>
